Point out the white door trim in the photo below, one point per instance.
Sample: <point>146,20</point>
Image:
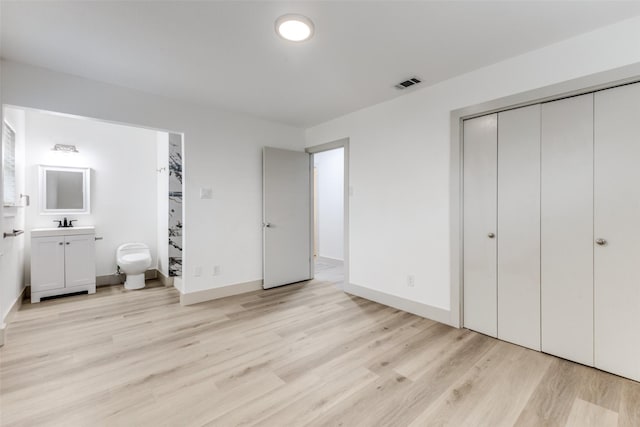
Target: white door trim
<point>340,143</point>
<point>591,83</point>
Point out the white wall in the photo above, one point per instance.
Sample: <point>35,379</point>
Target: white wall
<point>2,246</point>
<point>222,151</point>
<point>123,179</point>
<point>400,161</point>
<point>162,202</point>
<point>330,168</point>
<point>13,248</point>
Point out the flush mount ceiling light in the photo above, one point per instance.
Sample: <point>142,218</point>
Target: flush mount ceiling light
<point>295,28</point>
<point>65,148</point>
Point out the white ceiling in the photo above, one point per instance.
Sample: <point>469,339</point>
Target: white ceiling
<point>226,54</point>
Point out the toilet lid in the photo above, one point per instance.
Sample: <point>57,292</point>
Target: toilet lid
<point>135,257</point>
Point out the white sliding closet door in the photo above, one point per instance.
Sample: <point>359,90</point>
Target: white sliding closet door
<point>617,222</point>
<point>519,226</point>
<point>480,211</point>
<point>567,228</point>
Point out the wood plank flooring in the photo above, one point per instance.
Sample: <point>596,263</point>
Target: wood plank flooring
<point>305,354</point>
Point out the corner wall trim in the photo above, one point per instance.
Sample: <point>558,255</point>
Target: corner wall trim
<point>165,280</point>
<point>217,293</point>
<point>419,309</point>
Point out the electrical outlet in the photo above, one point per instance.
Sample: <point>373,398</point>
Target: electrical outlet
<point>197,272</point>
<point>411,281</point>
<point>216,270</point>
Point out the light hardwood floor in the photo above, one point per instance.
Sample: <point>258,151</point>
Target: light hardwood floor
<point>305,354</point>
<point>329,271</point>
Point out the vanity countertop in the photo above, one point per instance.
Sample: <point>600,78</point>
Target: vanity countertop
<point>62,231</point>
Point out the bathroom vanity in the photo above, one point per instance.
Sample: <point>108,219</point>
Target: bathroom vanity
<point>62,261</point>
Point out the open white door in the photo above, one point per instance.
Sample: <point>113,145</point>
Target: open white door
<point>286,196</point>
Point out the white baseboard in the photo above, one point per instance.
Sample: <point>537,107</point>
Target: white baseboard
<point>222,292</point>
<point>165,280</point>
<point>4,323</point>
<point>423,310</point>
<point>110,280</point>
<point>118,279</point>
<point>327,260</point>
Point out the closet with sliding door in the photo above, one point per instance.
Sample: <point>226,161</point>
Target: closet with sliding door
<point>552,227</point>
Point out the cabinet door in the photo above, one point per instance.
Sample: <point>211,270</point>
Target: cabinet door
<point>80,260</point>
<point>567,228</point>
<point>519,226</point>
<point>617,221</point>
<point>480,217</point>
<point>47,263</point>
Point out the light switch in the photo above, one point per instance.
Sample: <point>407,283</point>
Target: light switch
<point>206,193</point>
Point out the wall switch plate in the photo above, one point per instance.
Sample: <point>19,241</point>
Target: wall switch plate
<point>411,281</point>
<point>216,270</point>
<point>206,193</point>
<point>197,272</point>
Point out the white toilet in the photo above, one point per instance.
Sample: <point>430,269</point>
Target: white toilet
<point>133,260</point>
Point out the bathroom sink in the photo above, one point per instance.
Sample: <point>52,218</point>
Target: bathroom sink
<point>62,231</point>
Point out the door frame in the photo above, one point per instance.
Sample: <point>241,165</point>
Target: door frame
<point>182,279</point>
<point>339,143</point>
<point>579,86</point>
<point>315,213</point>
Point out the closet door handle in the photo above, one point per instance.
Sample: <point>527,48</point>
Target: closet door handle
<point>68,243</point>
<point>601,242</point>
<point>491,235</point>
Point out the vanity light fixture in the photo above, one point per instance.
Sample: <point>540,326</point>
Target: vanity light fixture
<point>65,148</point>
<point>295,28</point>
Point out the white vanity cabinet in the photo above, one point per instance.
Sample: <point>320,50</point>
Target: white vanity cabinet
<point>62,261</point>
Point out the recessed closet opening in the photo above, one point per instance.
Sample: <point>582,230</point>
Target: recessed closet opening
<point>550,233</point>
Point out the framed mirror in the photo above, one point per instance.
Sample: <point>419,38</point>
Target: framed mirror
<point>64,190</point>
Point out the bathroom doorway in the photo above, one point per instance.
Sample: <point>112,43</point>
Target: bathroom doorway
<point>135,192</point>
<point>330,207</point>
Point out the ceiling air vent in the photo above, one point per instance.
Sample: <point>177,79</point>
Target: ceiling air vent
<point>408,83</point>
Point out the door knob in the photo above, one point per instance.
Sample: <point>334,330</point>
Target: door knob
<point>601,242</point>
<point>267,225</point>
<point>491,235</point>
<point>60,243</point>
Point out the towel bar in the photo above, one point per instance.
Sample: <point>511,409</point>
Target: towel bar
<point>14,233</point>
